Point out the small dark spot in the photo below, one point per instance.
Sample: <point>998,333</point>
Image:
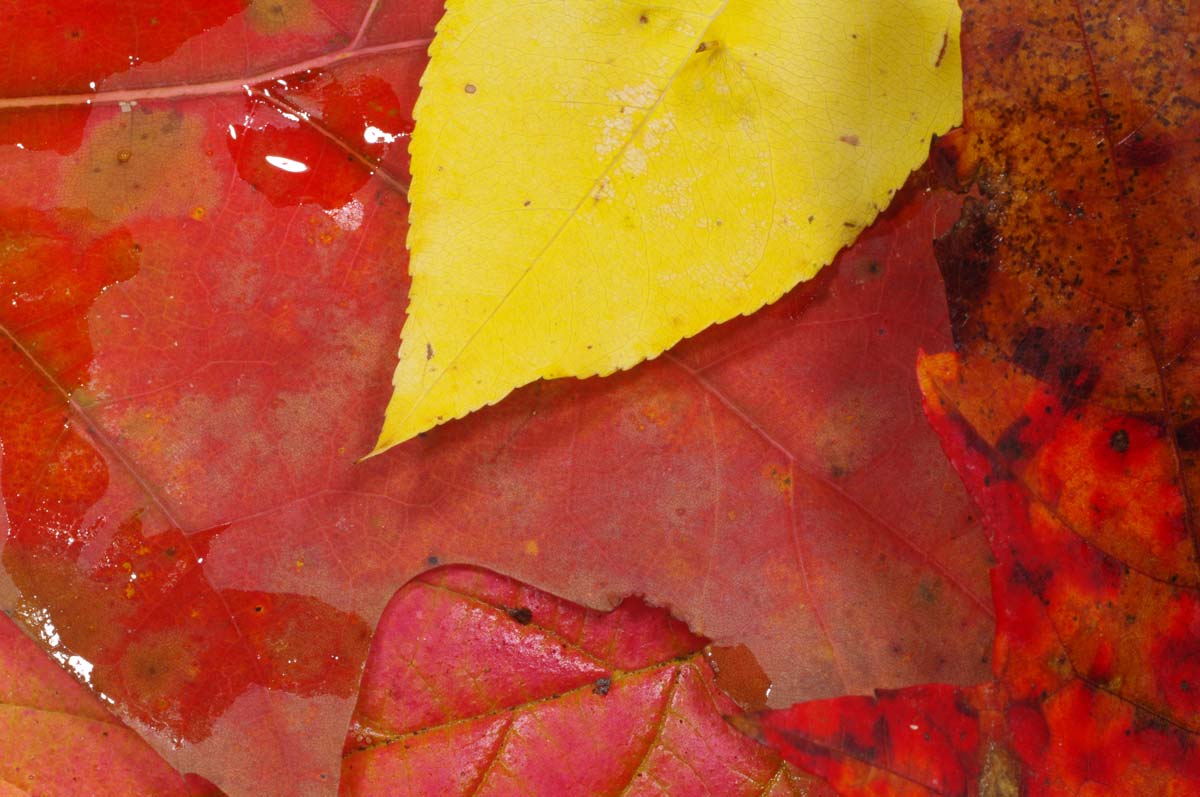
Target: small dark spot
<point>1005,42</point>
<point>1188,435</point>
<point>705,46</point>
<point>528,202</point>
<point>258,608</point>
<point>644,19</point>
<point>852,140</point>
<point>428,351</point>
<point>1059,358</point>
<point>1010,446</point>
<point>1119,441</point>
<point>602,686</point>
<point>849,224</point>
<point>837,471</point>
<point>123,156</point>
<point>137,249</point>
<point>75,33</point>
<point>170,551</point>
<point>942,52</point>
<point>469,88</point>
<point>520,614</point>
<point>811,218</point>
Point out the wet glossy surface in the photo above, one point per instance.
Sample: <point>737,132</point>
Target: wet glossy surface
<point>201,292</point>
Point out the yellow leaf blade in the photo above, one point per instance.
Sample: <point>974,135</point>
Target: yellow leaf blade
<point>593,182</point>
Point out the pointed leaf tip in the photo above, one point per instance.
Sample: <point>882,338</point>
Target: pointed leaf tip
<point>665,171</point>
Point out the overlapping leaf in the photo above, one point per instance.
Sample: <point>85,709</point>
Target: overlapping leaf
<point>1069,416</point>
<point>479,685</point>
<point>185,403</point>
<point>669,169</point>
<point>56,738</point>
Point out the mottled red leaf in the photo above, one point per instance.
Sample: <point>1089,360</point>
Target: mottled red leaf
<point>200,303</point>
<point>1071,282</point>
<point>480,685</point>
<point>56,738</point>
<point>1097,650</point>
<point>1079,262</point>
<point>1097,642</point>
<point>915,742</point>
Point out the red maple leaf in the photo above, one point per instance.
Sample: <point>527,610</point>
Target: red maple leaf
<point>1070,415</point>
<point>201,301</point>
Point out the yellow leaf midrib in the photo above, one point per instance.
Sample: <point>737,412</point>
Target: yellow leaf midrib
<point>604,174</point>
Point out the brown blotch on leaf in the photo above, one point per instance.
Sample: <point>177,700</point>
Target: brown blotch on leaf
<point>167,178</point>
<point>1000,775</point>
<point>1058,357</point>
<point>601,686</point>
<point>942,52</point>
<point>1188,435</point>
<point>965,257</point>
<point>520,614</point>
<point>1139,152</point>
<point>278,16</point>
<point>739,675</point>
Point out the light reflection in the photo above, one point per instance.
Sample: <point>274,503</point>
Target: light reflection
<point>82,667</point>
<point>287,164</point>
<point>373,135</point>
<point>349,216</point>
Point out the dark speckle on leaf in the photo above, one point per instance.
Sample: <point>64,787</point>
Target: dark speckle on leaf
<point>602,686</point>
<point>520,614</point>
<point>1119,441</point>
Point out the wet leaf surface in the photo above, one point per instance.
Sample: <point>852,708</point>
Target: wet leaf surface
<point>186,399</point>
<point>56,738</point>
<point>479,685</point>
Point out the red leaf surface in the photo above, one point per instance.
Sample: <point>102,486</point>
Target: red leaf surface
<point>1069,414</point>
<point>915,742</point>
<point>480,685</point>
<point>56,738</point>
<point>198,344</point>
<point>1098,614</point>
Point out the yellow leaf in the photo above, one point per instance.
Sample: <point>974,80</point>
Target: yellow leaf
<point>593,181</point>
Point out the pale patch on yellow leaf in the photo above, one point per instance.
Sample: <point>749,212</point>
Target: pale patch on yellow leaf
<point>593,181</point>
